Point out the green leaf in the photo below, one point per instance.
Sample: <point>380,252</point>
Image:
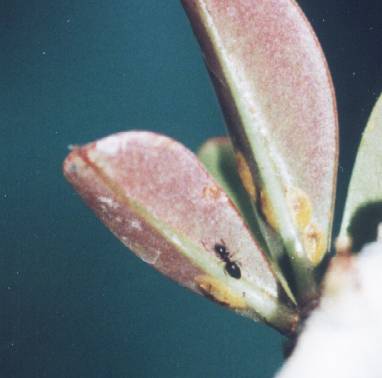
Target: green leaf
<point>156,197</point>
<point>218,157</point>
<point>363,208</point>
<point>277,97</point>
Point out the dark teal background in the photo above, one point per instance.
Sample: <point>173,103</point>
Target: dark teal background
<point>73,301</point>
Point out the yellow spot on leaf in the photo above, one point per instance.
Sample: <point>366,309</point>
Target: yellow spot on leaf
<point>298,203</point>
<point>246,175</point>
<point>219,292</point>
<point>267,210</point>
<point>314,243</point>
<point>301,210</point>
<point>300,206</point>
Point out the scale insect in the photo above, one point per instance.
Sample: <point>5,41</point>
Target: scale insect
<point>231,267</point>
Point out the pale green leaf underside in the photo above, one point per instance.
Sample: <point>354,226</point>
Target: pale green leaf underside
<point>363,208</point>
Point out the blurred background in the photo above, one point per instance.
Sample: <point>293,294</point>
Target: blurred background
<point>73,301</point>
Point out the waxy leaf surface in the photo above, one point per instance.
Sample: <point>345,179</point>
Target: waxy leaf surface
<point>363,209</point>
<point>159,201</point>
<point>277,97</point>
<point>218,157</point>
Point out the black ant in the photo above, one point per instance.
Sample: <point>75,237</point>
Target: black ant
<point>230,266</point>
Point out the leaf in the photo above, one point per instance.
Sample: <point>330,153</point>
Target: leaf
<point>159,201</point>
<point>363,208</point>
<point>218,157</point>
<point>277,97</point>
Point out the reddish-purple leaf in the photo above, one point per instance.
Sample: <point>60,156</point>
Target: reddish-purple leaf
<point>159,201</point>
<point>277,97</point>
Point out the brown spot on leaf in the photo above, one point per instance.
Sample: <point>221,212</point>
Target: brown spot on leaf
<point>212,192</point>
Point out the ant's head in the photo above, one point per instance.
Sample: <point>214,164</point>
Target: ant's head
<point>220,249</point>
